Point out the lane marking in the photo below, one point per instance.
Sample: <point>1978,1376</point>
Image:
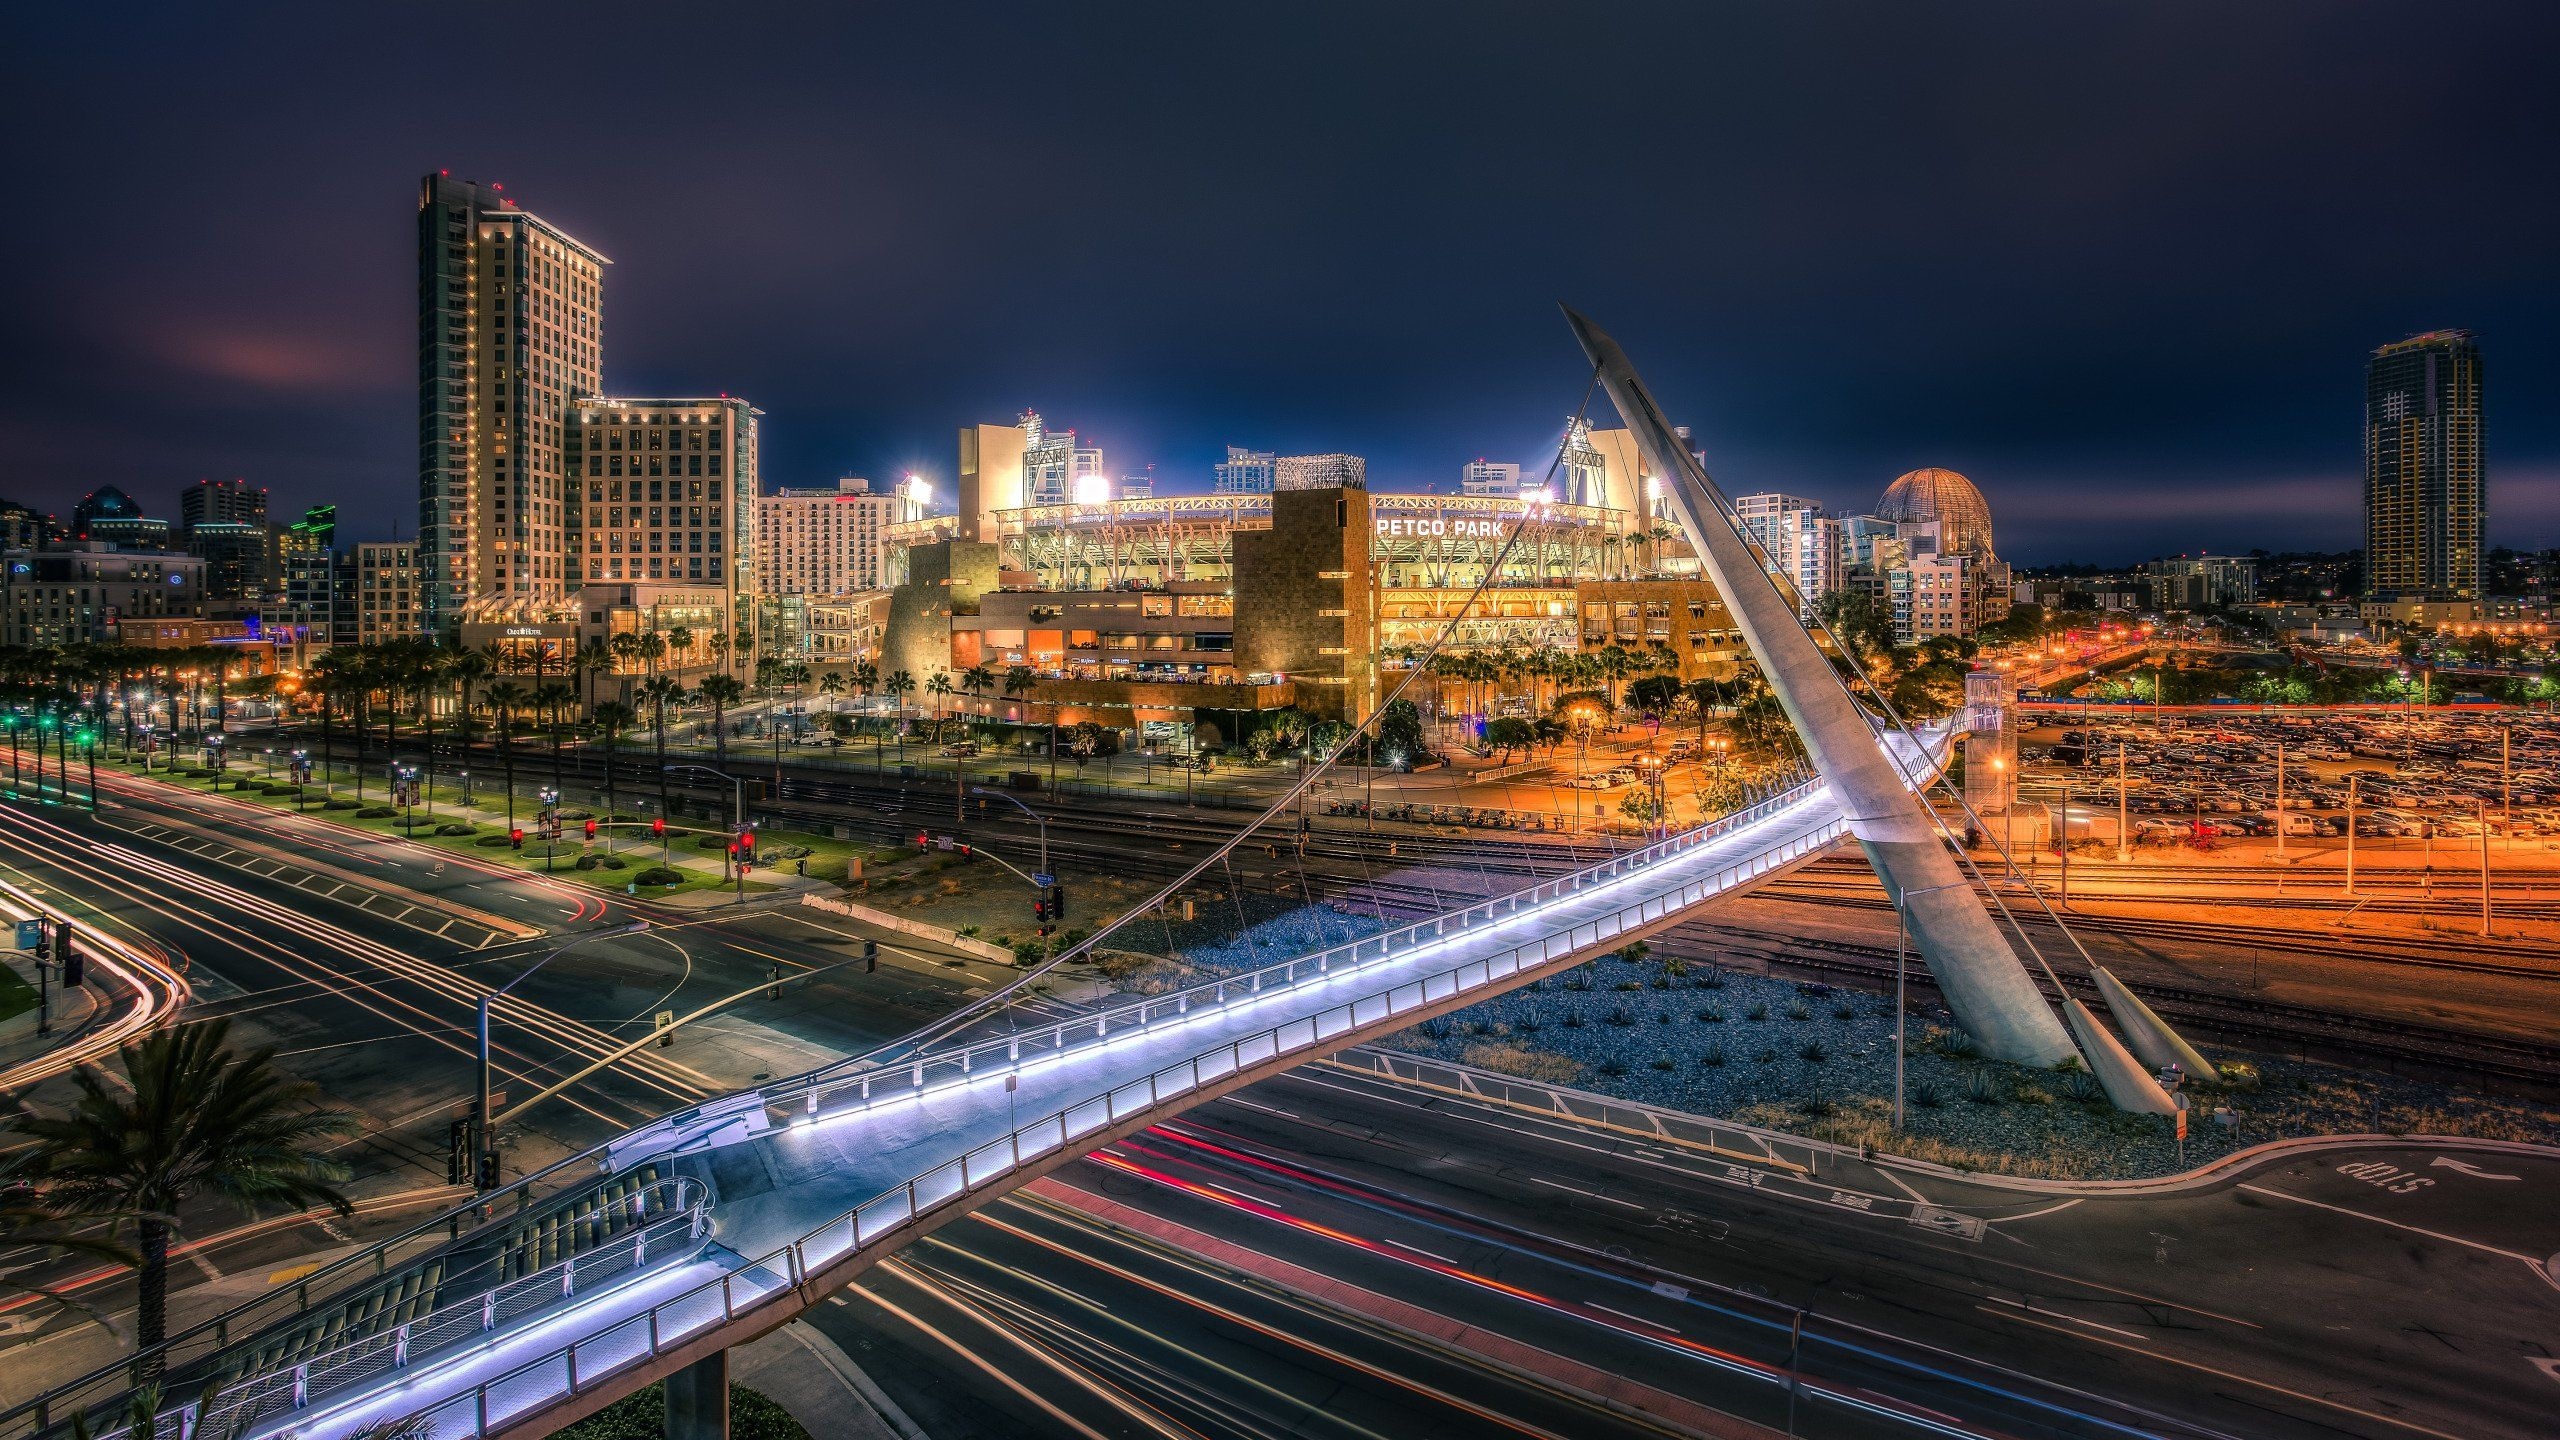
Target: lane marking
<point>1896,1182</point>
<point>1586,1194</point>
<point>2032,1214</point>
<point>2396,1225</point>
<point>2060,1315</point>
<point>1623,1315</point>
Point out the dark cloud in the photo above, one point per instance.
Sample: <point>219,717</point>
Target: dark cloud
<point>2118,262</point>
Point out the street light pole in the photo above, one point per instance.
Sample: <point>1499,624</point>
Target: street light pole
<point>485,1146</point>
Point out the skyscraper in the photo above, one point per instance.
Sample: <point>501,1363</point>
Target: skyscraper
<point>509,335</point>
<point>213,501</point>
<point>2423,502</point>
<point>1802,543</point>
<point>1245,472</point>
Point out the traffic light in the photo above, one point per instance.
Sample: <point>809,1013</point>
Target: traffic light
<point>515,838</point>
<point>1040,906</point>
<point>747,842</point>
<point>658,825</point>
<point>457,1153</point>
<point>75,966</point>
<point>1057,902</point>
<point>870,956</point>
<point>591,829</point>
<point>488,1170</point>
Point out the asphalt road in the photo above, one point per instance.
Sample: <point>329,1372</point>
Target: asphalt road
<point>362,960</point>
<point>2347,1292</point>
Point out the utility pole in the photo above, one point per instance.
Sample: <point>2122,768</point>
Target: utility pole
<point>2279,809</point>
<point>2124,836</point>
<point>2484,869</point>
<point>2352,778</point>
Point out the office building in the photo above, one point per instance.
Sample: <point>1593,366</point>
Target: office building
<point>1055,469</point>
<point>23,528</point>
<point>2194,582</point>
<point>2423,494</point>
<point>389,592</point>
<point>221,502</point>
<point>1488,477</point>
<point>669,491</point>
<point>239,558</point>
<point>825,542</point>
<point>85,591</point>
<point>111,517</point>
<point>509,336</point>
<point>1246,472</point>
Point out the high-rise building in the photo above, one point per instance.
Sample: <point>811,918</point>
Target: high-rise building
<point>1246,472</point>
<point>239,558</point>
<point>316,578</point>
<point>84,590</point>
<point>109,515</point>
<point>2192,582</point>
<point>388,592</point>
<point>1802,543</point>
<point>509,337</point>
<point>1488,477</point>
<point>669,492</point>
<point>221,501</point>
<point>825,542</point>
<point>22,528</point>
<point>1319,472</point>
<point>2424,506</point>
<point>1053,463</point>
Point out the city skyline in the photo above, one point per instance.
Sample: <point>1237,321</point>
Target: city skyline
<point>853,292</point>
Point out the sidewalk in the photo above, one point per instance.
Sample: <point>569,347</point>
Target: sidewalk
<point>73,1013</point>
<point>800,1369</point>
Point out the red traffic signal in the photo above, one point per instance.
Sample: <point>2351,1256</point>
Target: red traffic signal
<point>515,838</point>
<point>591,829</point>
<point>658,825</point>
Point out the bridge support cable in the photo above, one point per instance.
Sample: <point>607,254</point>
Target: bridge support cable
<point>915,1042</point>
<point>1976,966</point>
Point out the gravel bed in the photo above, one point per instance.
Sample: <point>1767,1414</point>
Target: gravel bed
<point>1817,1060</point>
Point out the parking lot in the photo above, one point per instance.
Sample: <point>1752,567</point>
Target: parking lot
<point>2197,781</point>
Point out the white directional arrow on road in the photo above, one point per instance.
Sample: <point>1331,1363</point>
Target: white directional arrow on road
<point>2467,1168</point>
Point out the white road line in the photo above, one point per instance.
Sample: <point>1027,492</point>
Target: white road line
<point>1587,1194</point>
<point>1426,1254</point>
<point>1265,1109</point>
<point>1896,1182</point>
<point>1623,1315</point>
<point>2030,1215</point>
<point>2055,1314</point>
<point>2394,1224</point>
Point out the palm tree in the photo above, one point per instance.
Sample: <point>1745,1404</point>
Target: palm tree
<point>660,691</point>
<point>468,668</point>
<point>978,680</point>
<point>722,690</point>
<point>900,685</point>
<point>612,718</point>
<point>938,685</point>
<point>553,698</point>
<point>831,685</point>
<point>866,678</point>
<point>193,1117</point>
<point>505,698</point>
<point>27,1223</point>
<point>593,659</point>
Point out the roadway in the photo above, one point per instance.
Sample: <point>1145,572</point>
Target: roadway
<point>2370,1292</point>
<point>362,959</point>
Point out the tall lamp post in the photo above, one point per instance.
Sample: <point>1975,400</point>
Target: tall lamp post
<point>485,1139</point>
<point>1047,877</point>
<point>1901,968</point>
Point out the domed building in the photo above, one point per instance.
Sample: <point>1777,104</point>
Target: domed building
<point>1963,516</point>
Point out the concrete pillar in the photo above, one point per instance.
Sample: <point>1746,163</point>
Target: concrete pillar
<point>698,1400</point>
<point>1981,977</point>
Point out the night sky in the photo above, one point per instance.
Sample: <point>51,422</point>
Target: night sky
<point>2120,263</point>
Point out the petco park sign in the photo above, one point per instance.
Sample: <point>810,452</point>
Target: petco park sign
<point>1433,527</point>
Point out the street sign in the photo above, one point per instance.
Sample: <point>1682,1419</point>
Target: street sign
<point>30,934</point>
<point>1044,881</point>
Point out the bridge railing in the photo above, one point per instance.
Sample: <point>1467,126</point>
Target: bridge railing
<point>585,1362</point>
<point>832,1092</point>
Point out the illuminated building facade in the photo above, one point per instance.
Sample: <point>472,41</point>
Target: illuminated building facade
<point>2423,482</point>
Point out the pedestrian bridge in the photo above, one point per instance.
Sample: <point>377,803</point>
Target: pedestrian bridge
<point>711,1226</point>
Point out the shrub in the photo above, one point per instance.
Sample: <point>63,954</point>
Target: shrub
<point>660,875</point>
<point>1766,1056</point>
<point>1635,954</point>
<point>1527,1027</point>
<point>1474,1027</point>
<point>275,791</point>
<point>1573,1020</point>
<point>1844,1011</point>
<point>2034,1095</point>
<point>613,862</point>
<point>1810,1052</point>
<point>1510,1057</point>
<point>1756,1012</point>
<point>1798,1010</point>
<point>456,828</point>
<point>1661,1017</point>
<point>491,842</point>
<point>1957,1045</point>
<point>1612,1069</point>
<point>1712,979</point>
<point>1818,1106</point>
<point>1436,1028</point>
<point>1628,985</point>
<point>1982,1086</point>
<point>1925,1095</point>
<point>1659,982</point>
<point>585,862</point>
<point>1621,1016</point>
<point>2081,1087</point>
<point>377,812</point>
<point>1711,1014</point>
<point>2239,1075</point>
<point>243,783</point>
<point>1664,1062</point>
<point>335,803</point>
<point>643,1416</point>
<point>1713,1059</point>
<point>1577,981</point>
<point>711,842</point>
